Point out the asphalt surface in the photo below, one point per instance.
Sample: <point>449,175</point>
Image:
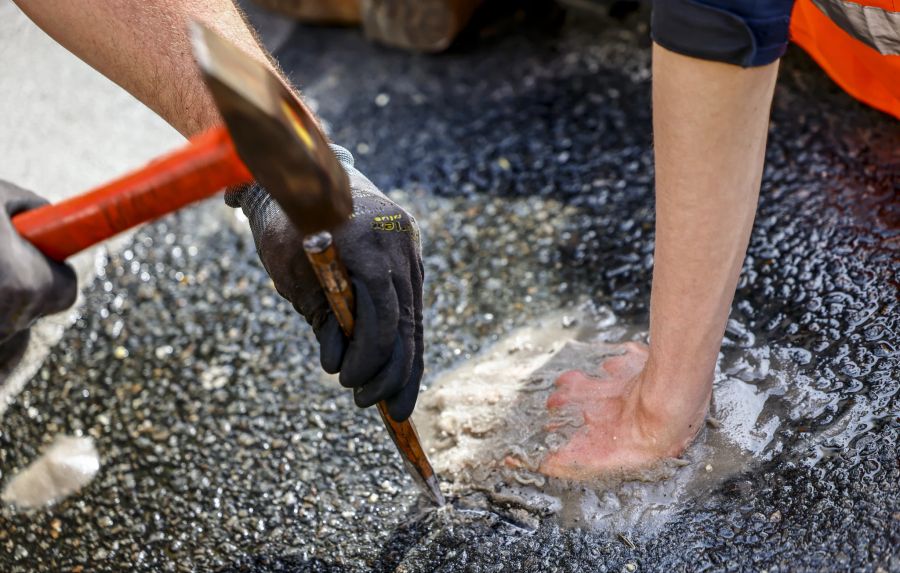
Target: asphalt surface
<point>527,156</point>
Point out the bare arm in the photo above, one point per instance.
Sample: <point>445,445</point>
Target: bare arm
<point>710,122</point>
<point>145,48</point>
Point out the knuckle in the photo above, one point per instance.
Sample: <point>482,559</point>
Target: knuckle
<point>69,295</point>
<point>18,288</point>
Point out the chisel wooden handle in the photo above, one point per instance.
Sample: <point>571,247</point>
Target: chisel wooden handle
<point>323,256</point>
<point>333,277</point>
<point>204,166</point>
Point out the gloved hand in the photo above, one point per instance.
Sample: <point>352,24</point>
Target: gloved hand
<point>31,285</point>
<point>380,247</point>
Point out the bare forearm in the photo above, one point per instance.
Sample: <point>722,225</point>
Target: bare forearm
<point>710,123</point>
<point>145,48</point>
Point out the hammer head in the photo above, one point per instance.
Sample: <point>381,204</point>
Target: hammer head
<point>274,135</point>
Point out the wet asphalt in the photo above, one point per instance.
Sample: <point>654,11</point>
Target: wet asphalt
<point>526,154</point>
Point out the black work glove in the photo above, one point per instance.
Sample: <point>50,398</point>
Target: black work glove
<point>31,285</point>
<point>380,247</point>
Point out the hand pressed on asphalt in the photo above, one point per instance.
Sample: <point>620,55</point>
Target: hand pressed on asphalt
<point>620,431</point>
<point>380,247</point>
<point>31,285</point>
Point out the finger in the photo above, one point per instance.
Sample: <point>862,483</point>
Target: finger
<point>332,344</point>
<point>12,349</point>
<point>62,288</point>
<point>387,382</point>
<point>372,343</point>
<point>401,405</point>
<point>406,332</point>
<point>21,200</point>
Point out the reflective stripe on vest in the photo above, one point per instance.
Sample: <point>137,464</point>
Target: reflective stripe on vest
<point>864,73</point>
<point>871,25</point>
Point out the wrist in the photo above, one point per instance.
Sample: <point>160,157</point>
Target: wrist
<point>672,408</point>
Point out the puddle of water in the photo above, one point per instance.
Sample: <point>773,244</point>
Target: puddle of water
<point>477,417</point>
<point>65,467</point>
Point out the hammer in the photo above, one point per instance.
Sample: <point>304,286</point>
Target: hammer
<point>268,136</point>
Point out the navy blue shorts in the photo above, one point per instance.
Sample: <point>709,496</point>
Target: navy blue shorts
<point>741,32</point>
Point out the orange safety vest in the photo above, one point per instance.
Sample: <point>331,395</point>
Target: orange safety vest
<point>857,43</point>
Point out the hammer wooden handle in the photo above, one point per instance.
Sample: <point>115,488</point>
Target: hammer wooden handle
<point>204,166</point>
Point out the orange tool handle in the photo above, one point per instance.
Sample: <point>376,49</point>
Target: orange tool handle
<point>201,168</point>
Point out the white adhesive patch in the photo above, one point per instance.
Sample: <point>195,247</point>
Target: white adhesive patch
<point>69,464</point>
<point>469,403</point>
